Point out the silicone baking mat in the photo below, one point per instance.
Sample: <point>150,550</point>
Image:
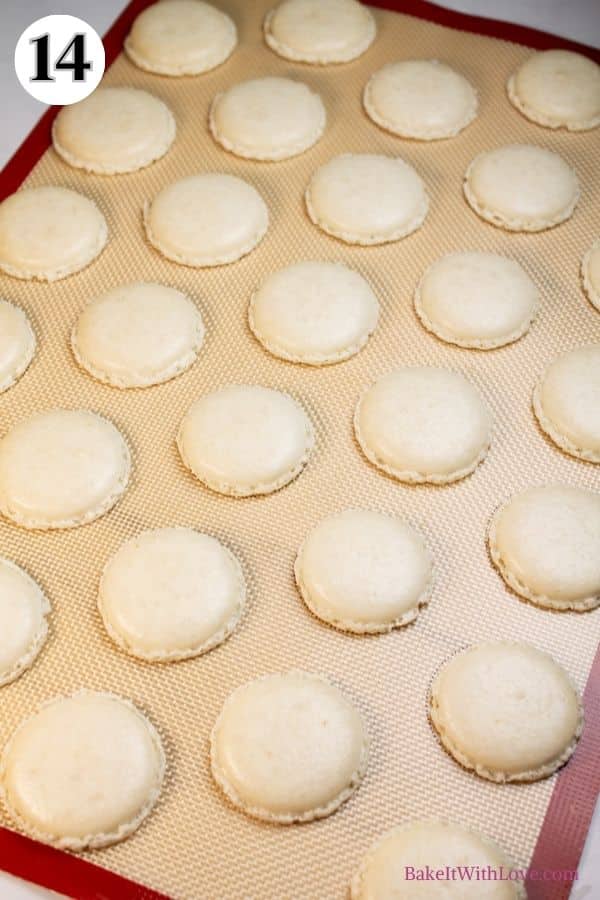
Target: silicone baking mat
<point>195,845</point>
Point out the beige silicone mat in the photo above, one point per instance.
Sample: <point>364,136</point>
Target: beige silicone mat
<point>195,845</point>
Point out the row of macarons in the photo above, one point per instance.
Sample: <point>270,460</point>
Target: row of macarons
<point>320,313</point>
<point>554,88</point>
<point>122,129</point>
<point>504,710</point>
<point>211,219</point>
<point>174,593</point>
<point>310,313</point>
<point>292,747</point>
<point>246,439</point>
<point>517,187</point>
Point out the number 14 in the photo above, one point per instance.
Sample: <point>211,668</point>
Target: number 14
<point>76,64</point>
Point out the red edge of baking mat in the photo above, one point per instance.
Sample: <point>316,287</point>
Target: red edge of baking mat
<point>566,823</point>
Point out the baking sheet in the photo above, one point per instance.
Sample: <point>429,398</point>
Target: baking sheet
<point>195,845</point>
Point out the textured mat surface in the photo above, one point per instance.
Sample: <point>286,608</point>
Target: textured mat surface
<point>195,845</point>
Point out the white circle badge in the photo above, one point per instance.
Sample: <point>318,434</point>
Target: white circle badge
<point>59,59</point>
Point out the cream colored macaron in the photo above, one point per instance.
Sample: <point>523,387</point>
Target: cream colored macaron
<point>477,300</point>
<point>364,572</point>
<point>23,625</point>
<point>545,542</point>
<point>507,711</point>
<point>590,273</point>
<point>244,439</point>
<point>423,424</point>
<point>521,187</point>
<point>118,129</point>
<point>267,118</point>
<point>389,868</point>
<point>366,199</point>
<point>420,98</point>
<point>319,31</point>
<point>315,313</point>
<point>138,335</point>
<point>566,402</point>
<point>83,771</point>
<point>206,220</point>
<point>17,344</point>
<point>61,468</point>
<point>170,594</point>
<point>47,233</point>
<point>181,37</point>
<point>558,89</point>
<point>288,747</point>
